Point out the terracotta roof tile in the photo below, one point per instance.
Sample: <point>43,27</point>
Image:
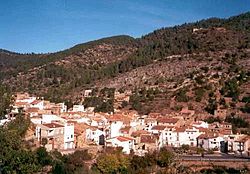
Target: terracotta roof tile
<point>243,138</point>
<point>122,139</point>
<point>208,136</point>
<point>35,102</point>
<point>53,125</point>
<point>139,133</point>
<point>30,110</point>
<point>148,139</point>
<point>125,129</point>
<point>167,120</point>
<point>158,127</point>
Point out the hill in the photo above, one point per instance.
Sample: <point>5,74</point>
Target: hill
<point>190,64</point>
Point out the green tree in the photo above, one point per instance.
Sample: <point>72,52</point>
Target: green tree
<point>44,141</point>
<point>181,96</point>
<point>165,158</point>
<point>20,124</point>
<point>43,156</point>
<point>5,100</point>
<point>112,163</point>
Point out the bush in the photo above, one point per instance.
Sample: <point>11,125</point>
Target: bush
<point>199,93</point>
<point>181,96</point>
<point>238,122</point>
<point>213,119</point>
<point>165,158</point>
<point>246,108</point>
<point>246,99</point>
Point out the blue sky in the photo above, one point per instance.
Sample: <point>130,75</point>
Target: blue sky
<point>43,26</point>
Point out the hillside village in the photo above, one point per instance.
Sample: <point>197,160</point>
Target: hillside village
<point>54,126</point>
<point>176,99</point>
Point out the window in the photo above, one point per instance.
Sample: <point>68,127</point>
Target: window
<point>71,136</point>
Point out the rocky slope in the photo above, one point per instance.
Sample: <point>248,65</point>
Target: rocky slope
<point>186,63</point>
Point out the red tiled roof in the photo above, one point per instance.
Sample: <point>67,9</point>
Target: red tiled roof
<point>139,133</point>
<point>30,110</point>
<point>125,129</point>
<point>202,129</point>
<point>21,103</point>
<point>158,127</point>
<point>167,120</point>
<point>121,138</point>
<point>149,120</point>
<point>187,111</point>
<point>225,132</point>
<point>148,139</point>
<point>53,125</point>
<point>93,128</point>
<point>35,102</point>
<point>154,115</point>
<point>243,138</point>
<point>80,127</point>
<point>72,113</point>
<point>180,129</point>
<point>115,117</point>
<point>207,136</point>
<point>71,121</point>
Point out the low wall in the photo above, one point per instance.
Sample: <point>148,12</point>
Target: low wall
<point>198,165</point>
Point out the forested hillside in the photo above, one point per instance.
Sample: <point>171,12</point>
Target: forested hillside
<point>125,62</point>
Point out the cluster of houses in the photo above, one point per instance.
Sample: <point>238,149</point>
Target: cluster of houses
<point>57,127</point>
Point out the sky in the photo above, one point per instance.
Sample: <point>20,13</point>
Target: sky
<point>43,26</point>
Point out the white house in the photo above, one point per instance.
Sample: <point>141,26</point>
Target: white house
<point>37,104</point>
<point>127,143</point>
<point>202,124</point>
<point>243,145</point>
<point>239,143</point>
<point>98,121</point>
<point>115,127</point>
<point>68,135</point>
<point>4,121</point>
<point>210,141</point>
<point>161,132</point>
<point>87,92</point>
<point>95,135</point>
<point>169,137</point>
<point>63,107</point>
<point>48,118</point>
<point>187,136</point>
<point>157,129</point>
<point>36,120</point>
<point>59,136</point>
<point>53,133</point>
<point>26,99</point>
<point>149,124</point>
<point>78,108</point>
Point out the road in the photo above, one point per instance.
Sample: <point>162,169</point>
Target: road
<point>214,157</point>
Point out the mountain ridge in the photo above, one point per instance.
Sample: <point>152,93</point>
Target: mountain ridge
<point>63,75</point>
